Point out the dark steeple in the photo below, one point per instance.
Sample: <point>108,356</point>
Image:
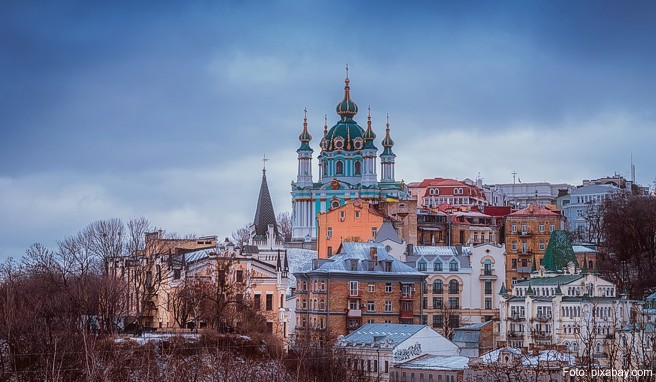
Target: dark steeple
<point>559,252</point>
<point>264,215</point>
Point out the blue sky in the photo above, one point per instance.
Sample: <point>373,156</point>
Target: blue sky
<point>164,109</point>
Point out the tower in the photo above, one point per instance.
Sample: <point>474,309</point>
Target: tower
<point>304,176</point>
<point>387,157</point>
<point>264,230</point>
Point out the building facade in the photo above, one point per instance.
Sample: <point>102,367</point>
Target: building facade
<point>462,284</point>
<point>376,349</point>
<point>356,221</point>
<point>527,235</point>
<point>582,214</point>
<point>347,169</point>
<point>431,193</point>
<point>520,195</point>
<point>360,284</point>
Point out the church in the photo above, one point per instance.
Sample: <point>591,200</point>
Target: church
<point>347,169</point>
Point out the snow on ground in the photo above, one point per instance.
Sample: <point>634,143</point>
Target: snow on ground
<point>157,337</point>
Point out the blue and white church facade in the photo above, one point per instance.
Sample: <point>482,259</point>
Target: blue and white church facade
<point>347,169</point>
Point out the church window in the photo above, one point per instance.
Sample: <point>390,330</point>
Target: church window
<point>334,204</point>
<point>325,168</point>
<point>357,143</point>
<point>357,168</point>
<point>339,168</point>
<point>339,143</point>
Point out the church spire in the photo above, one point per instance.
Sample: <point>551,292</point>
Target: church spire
<point>264,214</point>
<point>369,134</point>
<point>387,141</point>
<point>347,109</point>
<point>305,136</point>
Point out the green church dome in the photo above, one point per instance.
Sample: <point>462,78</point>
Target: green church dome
<point>346,135</point>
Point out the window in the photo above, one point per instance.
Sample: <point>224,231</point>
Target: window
<point>488,286</point>
<point>421,265</point>
<point>322,305</point>
<point>514,264</point>
<point>488,303</point>
<point>541,246</point>
<point>357,168</point>
<point>438,321</point>
<point>354,304</point>
<point>514,245</point>
<point>524,247</point>
<point>524,228</point>
<point>269,302</point>
<point>438,287</point>
<point>371,288</point>
<point>329,232</point>
<point>330,251</point>
<point>325,168</point>
<point>454,302</point>
<point>551,227</point>
<point>374,230</point>
<point>454,321</point>
<point>240,276</point>
<point>513,228</point>
<point>334,204</point>
<point>388,306</point>
<point>541,228</point>
<point>357,214</point>
<point>342,215</point>
<point>453,266</point>
<point>424,303</point>
<point>339,168</point>
<point>256,302</point>
<point>388,287</point>
<point>177,273</point>
<point>487,268</point>
<point>437,266</point>
<point>454,287</point>
<point>371,306</point>
<point>437,303</point>
<point>353,288</point>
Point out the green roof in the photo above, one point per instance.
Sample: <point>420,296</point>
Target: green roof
<point>559,252</point>
<point>554,280</point>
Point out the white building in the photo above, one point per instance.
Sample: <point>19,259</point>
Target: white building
<point>520,195</point>
<point>375,348</point>
<point>462,283</point>
<point>570,308</point>
<point>582,211</point>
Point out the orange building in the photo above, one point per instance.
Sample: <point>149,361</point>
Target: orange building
<point>355,221</point>
<point>527,235</point>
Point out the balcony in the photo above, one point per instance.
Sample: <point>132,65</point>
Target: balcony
<point>515,335</point>
<point>525,252</point>
<point>407,296</point>
<point>354,313</point>
<point>487,274</point>
<point>524,269</point>
<point>543,318</point>
<point>406,314</point>
<point>541,335</point>
<point>354,294</point>
<point>516,317</point>
<point>525,234</point>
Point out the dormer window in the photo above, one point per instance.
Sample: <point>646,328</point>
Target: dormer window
<point>453,266</point>
<point>437,266</point>
<point>421,265</point>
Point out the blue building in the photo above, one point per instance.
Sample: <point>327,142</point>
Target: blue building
<point>347,169</point>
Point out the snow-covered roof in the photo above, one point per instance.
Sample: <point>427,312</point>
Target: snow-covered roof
<point>356,258</point>
<point>297,259</point>
<point>582,249</point>
<point>387,232</point>
<point>370,334</point>
<point>435,362</point>
<point>529,360</point>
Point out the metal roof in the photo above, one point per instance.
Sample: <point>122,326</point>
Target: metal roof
<point>378,333</point>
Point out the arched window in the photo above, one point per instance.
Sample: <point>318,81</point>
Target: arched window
<point>438,287</point>
<point>421,265</point>
<point>437,266</point>
<point>325,168</point>
<point>357,167</point>
<point>453,266</point>
<point>339,168</point>
<point>454,287</point>
<point>487,267</point>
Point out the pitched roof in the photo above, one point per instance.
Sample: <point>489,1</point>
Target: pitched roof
<point>378,333</point>
<point>554,280</point>
<point>436,362</point>
<point>387,232</point>
<point>264,214</point>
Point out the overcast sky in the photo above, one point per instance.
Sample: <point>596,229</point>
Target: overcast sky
<point>164,109</point>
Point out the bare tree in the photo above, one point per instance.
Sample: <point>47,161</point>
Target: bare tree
<point>284,220</point>
<point>242,235</point>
